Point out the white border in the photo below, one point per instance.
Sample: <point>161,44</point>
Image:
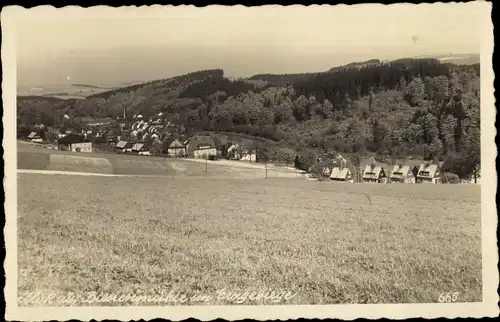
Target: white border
<point>488,308</point>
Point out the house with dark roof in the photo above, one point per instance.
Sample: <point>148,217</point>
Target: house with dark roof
<point>402,174</point>
<point>374,174</point>
<point>201,147</point>
<point>429,173</point>
<point>75,143</point>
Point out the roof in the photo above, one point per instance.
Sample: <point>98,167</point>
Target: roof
<point>175,144</point>
<point>32,135</point>
<point>72,138</point>
<point>201,141</point>
<point>338,173</point>
<point>432,170</point>
<point>373,173</point>
<point>138,146</point>
<point>121,144</point>
<point>400,171</point>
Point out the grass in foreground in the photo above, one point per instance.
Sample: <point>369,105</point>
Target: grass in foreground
<point>322,241</point>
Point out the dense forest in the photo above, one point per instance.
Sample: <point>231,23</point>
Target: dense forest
<point>410,107</point>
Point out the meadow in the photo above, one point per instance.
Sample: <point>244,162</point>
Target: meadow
<point>36,157</point>
<point>198,234</point>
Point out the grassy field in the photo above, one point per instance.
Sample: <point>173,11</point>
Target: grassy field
<point>35,157</point>
<point>195,234</point>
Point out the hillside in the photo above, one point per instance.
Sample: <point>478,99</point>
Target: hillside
<point>417,107</point>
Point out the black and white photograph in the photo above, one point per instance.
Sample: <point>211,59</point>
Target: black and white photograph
<point>267,162</point>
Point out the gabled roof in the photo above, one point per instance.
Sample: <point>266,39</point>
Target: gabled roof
<point>33,135</point>
<point>121,144</point>
<point>338,173</point>
<point>175,144</point>
<point>431,170</point>
<point>374,173</point>
<point>401,171</point>
<point>138,146</point>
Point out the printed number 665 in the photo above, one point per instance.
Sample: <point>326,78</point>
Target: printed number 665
<point>448,297</point>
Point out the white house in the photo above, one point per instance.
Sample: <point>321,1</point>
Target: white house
<point>341,174</point>
<point>402,174</point>
<point>374,174</point>
<point>176,149</point>
<point>81,147</point>
<point>201,147</point>
<point>35,137</point>
<point>204,151</point>
<point>140,149</point>
<point>429,173</point>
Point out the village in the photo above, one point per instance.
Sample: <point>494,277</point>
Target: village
<point>158,137</point>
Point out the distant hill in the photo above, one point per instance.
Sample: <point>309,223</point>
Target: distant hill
<point>290,79</point>
<point>92,86</point>
<point>456,59</point>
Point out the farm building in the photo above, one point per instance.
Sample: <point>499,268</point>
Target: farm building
<point>175,148</point>
<point>429,173</point>
<point>81,147</point>
<point>374,174</point>
<point>140,149</point>
<point>123,146</point>
<point>341,174</point>
<point>402,174</point>
<point>35,137</point>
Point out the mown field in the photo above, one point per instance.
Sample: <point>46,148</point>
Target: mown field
<point>35,157</point>
<point>321,240</point>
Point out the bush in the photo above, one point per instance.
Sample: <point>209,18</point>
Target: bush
<point>449,177</point>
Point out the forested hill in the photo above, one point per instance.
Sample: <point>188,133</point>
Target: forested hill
<point>405,107</point>
<point>290,79</point>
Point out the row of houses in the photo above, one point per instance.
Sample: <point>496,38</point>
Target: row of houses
<point>425,173</point>
<point>197,147</point>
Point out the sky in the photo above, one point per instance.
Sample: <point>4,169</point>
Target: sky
<point>106,45</point>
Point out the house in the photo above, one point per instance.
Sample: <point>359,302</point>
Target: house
<point>402,174</point>
<point>35,137</point>
<point>123,146</point>
<point>70,143</point>
<point>201,147</point>
<point>81,147</point>
<point>140,149</point>
<point>175,148</point>
<point>429,173</point>
<point>374,174</point>
<point>248,155</point>
<point>341,174</point>
<point>234,152</point>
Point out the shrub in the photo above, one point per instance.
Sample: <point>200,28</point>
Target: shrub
<point>449,177</point>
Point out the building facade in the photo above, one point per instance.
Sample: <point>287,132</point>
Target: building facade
<point>374,174</point>
<point>402,174</point>
<point>81,147</point>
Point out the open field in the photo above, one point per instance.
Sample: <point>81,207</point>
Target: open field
<point>195,234</point>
